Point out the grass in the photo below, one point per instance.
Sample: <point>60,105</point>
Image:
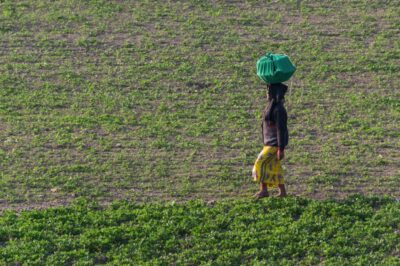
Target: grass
<point>290,231</point>
<point>153,102</point>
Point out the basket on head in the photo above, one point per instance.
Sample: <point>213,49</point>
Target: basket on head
<point>275,68</point>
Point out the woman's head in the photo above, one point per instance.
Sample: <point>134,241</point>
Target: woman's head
<point>276,95</point>
<point>276,92</point>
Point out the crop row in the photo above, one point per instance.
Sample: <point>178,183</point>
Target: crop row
<point>358,230</point>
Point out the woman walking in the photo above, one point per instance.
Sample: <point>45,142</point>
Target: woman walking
<point>267,170</point>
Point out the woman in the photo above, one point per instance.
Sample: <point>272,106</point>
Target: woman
<point>267,170</point>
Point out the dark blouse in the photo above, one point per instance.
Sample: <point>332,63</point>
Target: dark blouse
<point>276,133</point>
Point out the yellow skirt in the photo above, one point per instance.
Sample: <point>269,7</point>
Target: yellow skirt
<point>267,168</point>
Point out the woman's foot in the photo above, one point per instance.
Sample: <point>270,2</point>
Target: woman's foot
<point>261,194</point>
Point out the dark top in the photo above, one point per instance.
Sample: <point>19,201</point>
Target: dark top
<point>276,133</point>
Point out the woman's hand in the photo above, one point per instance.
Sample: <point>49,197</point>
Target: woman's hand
<point>280,154</point>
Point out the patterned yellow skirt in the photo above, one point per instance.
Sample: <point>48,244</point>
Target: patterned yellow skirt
<point>267,168</point>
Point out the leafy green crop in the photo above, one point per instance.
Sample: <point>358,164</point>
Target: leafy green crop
<point>156,101</point>
<point>273,231</point>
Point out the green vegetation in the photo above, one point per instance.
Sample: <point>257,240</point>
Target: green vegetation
<point>159,102</point>
<point>357,231</point>
<point>132,99</point>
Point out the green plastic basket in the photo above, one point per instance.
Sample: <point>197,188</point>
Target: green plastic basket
<point>275,68</point>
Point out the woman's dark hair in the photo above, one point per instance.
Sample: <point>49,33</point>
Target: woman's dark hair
<point>276,96</point>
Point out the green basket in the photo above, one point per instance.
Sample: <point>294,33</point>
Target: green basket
<point>275,68</point>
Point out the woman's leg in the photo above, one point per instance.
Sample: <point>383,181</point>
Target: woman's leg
<point>263,191</point>
<point>263,188</point>
<point>259,166</point>
<point>259,169</point>
<point>282,190</point>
